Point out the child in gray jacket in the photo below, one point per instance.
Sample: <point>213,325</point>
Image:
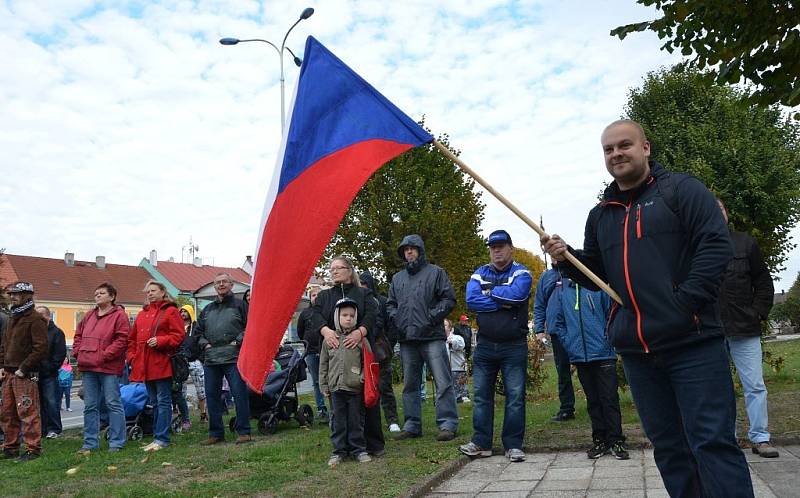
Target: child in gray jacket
<point>341,378</point>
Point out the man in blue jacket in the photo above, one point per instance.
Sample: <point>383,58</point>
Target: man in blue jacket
<point>499,292</point>
<point>582,316</point>
<point>660,241</point>
<point>546,311</point>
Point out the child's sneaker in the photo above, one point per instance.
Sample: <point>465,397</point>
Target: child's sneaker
<point>619,451</point>
<point>515,455</point>
<point>363,457</point>
<point>599,449</point>
<point>334,460</point>
<point>186,425</point>
<point>473,450</point>
<point>394,428</point>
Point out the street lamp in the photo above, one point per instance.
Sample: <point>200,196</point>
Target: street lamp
<point>307,12</point>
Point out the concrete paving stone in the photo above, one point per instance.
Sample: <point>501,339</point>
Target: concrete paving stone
<point>478,473</point>
<point>571,464</point>
<point>609,461</point>
<point>505,494</point>
<point>499,486</point>
<point>558,494</point>
<point>763,492</point>
<point>450,495</point>
<point>461,486</point>
<point>572,484</point>
<point>517,473</point>
<point>652,472</point>
<point>539,457</point>
<point>617,493</point>
<point>654,482</point>
<point>618,483</point>
<point>604,472</point>
<point>657,493</point>
<point>566,474</point>
<point>794,449</point>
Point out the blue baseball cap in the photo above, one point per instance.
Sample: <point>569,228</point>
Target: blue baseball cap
<point>499,237</point>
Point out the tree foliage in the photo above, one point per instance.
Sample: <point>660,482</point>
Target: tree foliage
<point>758,40</point>
<point>789,310</point>
<point>534,264</point>
<point>419,192</point>
<point>746,154</point>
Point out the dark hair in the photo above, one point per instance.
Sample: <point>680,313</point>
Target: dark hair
<point>112,291</point>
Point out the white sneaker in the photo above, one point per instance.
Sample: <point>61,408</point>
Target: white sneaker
<point>465,400</point>
<point>394,428</point>
<point>69,409</point>
<point>51,435</point>
<point>154,446</point>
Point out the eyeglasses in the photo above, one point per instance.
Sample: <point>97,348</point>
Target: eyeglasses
<point>337,268</point>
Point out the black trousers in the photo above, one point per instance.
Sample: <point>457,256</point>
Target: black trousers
<point>599,381</point>
<point>388,401</point>
<point>566,393</point>
<point>347,419</point>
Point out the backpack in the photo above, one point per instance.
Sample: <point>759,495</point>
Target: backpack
<point>180,368</point>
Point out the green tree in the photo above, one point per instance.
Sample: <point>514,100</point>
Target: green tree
<point>534,264</point>
<point>789,310</point>
<point>746,154</point>
<point>419,192</point>
<point>758,40</point>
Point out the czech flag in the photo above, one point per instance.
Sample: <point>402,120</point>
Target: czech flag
<point>341,130</point>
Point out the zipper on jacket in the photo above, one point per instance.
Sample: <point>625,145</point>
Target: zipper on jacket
<point>639,332</point>
<point>638,221</point>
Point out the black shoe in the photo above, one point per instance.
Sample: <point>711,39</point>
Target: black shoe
<point>406,435</point>
<point>599,449</point>
<point>445,435</point>
<point>619,451</point>
<point>563,416</point>
<point>323,417</point>
<point>27,457</point>
<point>9,454</point>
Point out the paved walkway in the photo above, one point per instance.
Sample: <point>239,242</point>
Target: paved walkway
<point>571,474</point>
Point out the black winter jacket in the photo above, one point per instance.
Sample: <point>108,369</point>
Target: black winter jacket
<point>746,295</point>
<point>420,297</point>
<point>306,332</point>
<point>56,351</point>
<point>322,310</point>
<point>666,265</point>
<point>382,317</point>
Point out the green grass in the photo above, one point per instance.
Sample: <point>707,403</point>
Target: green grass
<point>293,461</point>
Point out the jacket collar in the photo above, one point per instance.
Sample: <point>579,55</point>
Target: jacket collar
<point>612,193</point>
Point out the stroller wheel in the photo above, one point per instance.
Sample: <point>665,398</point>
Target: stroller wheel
<point>232,424</point>
<point>268,423</point>
<point>305,415</point>
<point>176,425</point>
<point>135,433</point>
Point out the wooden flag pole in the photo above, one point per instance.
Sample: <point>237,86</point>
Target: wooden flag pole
<point>572,259</point>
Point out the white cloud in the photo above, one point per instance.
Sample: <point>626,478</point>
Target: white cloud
<point>127,129</point>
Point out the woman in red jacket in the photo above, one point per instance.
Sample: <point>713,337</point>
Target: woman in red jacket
<point>99,346</point>
<point>156,335</point>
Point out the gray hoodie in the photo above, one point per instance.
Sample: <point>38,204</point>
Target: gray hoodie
<point>420,297</point>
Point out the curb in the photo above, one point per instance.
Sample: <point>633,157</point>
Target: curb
<point>425,487</point>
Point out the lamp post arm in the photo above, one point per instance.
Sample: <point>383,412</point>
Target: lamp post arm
<point>263,41</point>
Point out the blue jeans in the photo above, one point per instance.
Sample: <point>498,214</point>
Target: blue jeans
<point>50,404</point>
<point>685,401</point>
<point>160,394</point>
<point>434,355</point>
<point>312,361</point>
<point>241,399</point>
<point>66,392</point>
<point>97,388</point>
<point>746,354</point>
<point>489,358</point>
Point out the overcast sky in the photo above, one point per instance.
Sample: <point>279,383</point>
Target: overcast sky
<point>127,127</point>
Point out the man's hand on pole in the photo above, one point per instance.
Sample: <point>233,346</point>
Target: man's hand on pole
<point>554,246</point>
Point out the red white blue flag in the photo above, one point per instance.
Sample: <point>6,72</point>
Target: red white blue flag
<point>341,130</point>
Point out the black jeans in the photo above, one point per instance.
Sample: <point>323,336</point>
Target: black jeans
<point>388,401</point>
<point>347,415</point>
<point>599,381</point>
<point>686,403</point>
<point>566,394</point>
<point>50,399</point>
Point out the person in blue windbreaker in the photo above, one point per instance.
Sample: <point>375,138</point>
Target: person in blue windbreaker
<point>582,319</point>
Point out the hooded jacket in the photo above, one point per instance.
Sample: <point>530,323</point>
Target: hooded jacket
<point>24,344</point>
<point>101,342</point>
<point>222,322</point>
<point>500,298</point>
<point>382,317</point>
<point>547,303</point>
<point>340,369</point>
<point>56,351</point>
<point>189,347</point>
<point>420,297</point>
<point>161,320</point>
<point>306,333</point>
<point>665,264</point>
<point>325,305</point>
<point>746,295</point>
<point>582,323</point>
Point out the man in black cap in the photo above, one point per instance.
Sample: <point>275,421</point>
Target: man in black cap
<point>23,348</point>
<point>499,292</point>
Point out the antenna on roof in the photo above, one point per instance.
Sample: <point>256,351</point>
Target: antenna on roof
<point>193,249</point>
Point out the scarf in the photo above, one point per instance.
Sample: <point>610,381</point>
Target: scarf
<point>21,309</point>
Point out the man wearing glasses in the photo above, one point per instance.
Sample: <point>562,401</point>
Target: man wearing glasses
<point>221,331</point>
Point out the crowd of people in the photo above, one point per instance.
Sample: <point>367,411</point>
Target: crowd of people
<point>660,238</point>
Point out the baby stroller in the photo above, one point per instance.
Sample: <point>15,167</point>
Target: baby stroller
<point>278,400</point>
<point>139,413</point>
